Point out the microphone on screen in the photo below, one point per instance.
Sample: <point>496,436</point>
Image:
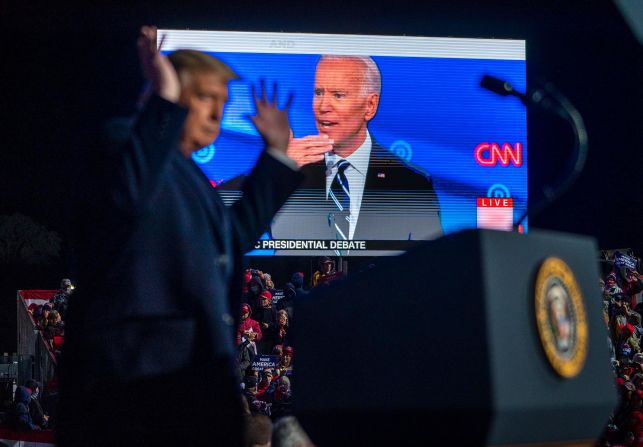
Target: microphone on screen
<point>501,87</point>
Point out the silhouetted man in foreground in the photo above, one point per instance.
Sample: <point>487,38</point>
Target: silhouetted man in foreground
<point>150,342</point>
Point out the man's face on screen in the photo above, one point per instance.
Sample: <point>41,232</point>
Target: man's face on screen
<point>205,95</point>
<point>341,103</point>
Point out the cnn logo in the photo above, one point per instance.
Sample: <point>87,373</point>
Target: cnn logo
<point>490,154</point>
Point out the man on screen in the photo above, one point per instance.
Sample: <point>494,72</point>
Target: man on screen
<point>358,190</point>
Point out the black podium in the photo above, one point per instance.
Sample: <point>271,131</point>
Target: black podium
<point>478,338</point>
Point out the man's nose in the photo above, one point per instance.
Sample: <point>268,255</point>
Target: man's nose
<point>324,104</point>
<point>215,113</point>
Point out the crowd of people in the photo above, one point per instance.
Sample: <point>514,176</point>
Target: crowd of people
<point>27,412</point>
<point>264,346</point>
<point>622,314</point>
<point>264,337</point>
<point>33,407</point>
<point>50,318</point>
<point>265,351</point>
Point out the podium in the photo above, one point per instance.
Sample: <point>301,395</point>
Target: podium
<point>477,338</point>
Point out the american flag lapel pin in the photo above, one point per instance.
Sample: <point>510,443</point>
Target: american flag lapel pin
<point>381,175</point>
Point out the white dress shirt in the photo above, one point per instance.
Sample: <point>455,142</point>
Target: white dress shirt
<point>356,176</point>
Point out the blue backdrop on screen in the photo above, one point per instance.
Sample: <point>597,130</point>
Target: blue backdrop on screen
<point>432,112</point>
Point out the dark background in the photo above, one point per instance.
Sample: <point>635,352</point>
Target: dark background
<point>66,70</point>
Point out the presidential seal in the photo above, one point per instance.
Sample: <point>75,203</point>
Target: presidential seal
<point>560,317</point>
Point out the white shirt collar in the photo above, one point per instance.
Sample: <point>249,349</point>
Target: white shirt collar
<point>358,159</point>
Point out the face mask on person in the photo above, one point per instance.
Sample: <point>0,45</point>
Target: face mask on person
<point>35,394</point>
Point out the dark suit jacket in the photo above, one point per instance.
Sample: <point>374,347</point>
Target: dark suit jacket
<point>160,258</point>
<point>399,203</point>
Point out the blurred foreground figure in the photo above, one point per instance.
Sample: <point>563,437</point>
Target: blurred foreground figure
<point>149,355</point>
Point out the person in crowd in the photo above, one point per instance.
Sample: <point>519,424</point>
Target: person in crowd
<point>60,300</point>
<point>36,313</point>
<point>250,388</point>
<point>284,368</point>
<point>287,303</point>
<point>246,353</point>
<point>282,398</point>
<point>255,289</point>
<point>325,272</point>
<point>297,280</point>
<point>633,425</point>
<point>281,332</point>
<point>264,385</point>
<point>626,342</point>
<point>55,325</point>
<point>267,280</point>
<point>247,276</point>
<point>266,316</point>
<point>248,328</point>
<point>278,350</point>
<point>611,287</point>
<point>20,414</point>
<point>619,305</point>
<point>287,432</point>
<point>631,283</point>
<point>44,318</point>
<point>258,431</point>
<point>38,416</point>
<point>261,407</point>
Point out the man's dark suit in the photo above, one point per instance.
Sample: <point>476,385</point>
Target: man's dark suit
<point>399,203</point>
<point>150,336</point>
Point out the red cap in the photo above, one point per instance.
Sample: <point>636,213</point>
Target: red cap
<point>245,308</point>
<point>266,294</point>
<point>620,381</point>
<point>288,350</point>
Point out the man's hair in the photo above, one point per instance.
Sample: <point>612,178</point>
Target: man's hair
<point>372,81</point>
<point>288,433</point>
<point>192,61</point>
<point>257,430</point>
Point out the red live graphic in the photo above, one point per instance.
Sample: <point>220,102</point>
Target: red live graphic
<point>495,213</point>
<point>490,154</point>
<point>489,202</point>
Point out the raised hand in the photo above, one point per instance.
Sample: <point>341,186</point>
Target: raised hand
<point>310,149</point>
<point>156,68</point>
<point>270,121</point>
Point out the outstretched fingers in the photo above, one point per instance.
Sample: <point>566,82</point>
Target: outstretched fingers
<point>273,100</point>
<point>291,96</point>
<point>271,122</point>
<point>264,99</point>
<point>161,42</point>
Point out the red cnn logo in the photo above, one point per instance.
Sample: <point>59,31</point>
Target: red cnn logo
<point>489,154</point>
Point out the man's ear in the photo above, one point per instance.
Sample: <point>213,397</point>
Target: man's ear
<point>185,79</point>
<point>372,102</point>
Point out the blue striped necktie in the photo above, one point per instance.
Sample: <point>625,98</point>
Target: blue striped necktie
<point>339,194</point>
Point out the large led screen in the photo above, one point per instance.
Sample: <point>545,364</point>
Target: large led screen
<point>419,148</point>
